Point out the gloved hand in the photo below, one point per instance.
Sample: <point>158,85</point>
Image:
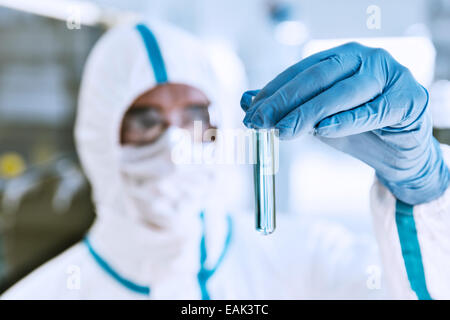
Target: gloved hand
<point>363,102</point>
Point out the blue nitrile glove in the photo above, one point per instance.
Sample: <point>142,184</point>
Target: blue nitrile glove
<point>363,102</point>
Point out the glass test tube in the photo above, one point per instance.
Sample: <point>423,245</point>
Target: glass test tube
<point>264,179</point>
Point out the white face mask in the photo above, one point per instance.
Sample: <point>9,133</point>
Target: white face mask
<point>159,191</point>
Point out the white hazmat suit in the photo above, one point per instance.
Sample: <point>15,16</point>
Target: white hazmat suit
<point>169,237</point>
<point>414,243</point>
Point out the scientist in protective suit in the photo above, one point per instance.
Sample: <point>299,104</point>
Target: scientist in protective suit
<point>162,230</point>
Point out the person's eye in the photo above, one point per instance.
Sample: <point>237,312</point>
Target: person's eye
<point>151,119</point>
<point>145,118</point>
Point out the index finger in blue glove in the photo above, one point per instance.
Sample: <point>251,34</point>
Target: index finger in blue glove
<point>301,66</point>
<point>305,86</point>
<point>290,73</point>
<point>344,95</point>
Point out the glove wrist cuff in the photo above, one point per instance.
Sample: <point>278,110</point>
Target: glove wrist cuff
<point>423,188</point>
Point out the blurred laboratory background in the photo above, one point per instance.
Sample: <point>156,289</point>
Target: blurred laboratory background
<point>45,203</point>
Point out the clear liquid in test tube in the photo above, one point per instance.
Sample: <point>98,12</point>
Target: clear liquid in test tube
<point>264,170</point>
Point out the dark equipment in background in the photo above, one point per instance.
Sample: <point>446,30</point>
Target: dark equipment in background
<point>44,197</point>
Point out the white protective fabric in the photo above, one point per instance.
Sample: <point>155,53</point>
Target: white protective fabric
<point>303,259</point>
<point>440,104</point>
<point>432,221</point>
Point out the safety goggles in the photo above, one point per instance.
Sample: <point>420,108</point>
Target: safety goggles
<point>144,125</point>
